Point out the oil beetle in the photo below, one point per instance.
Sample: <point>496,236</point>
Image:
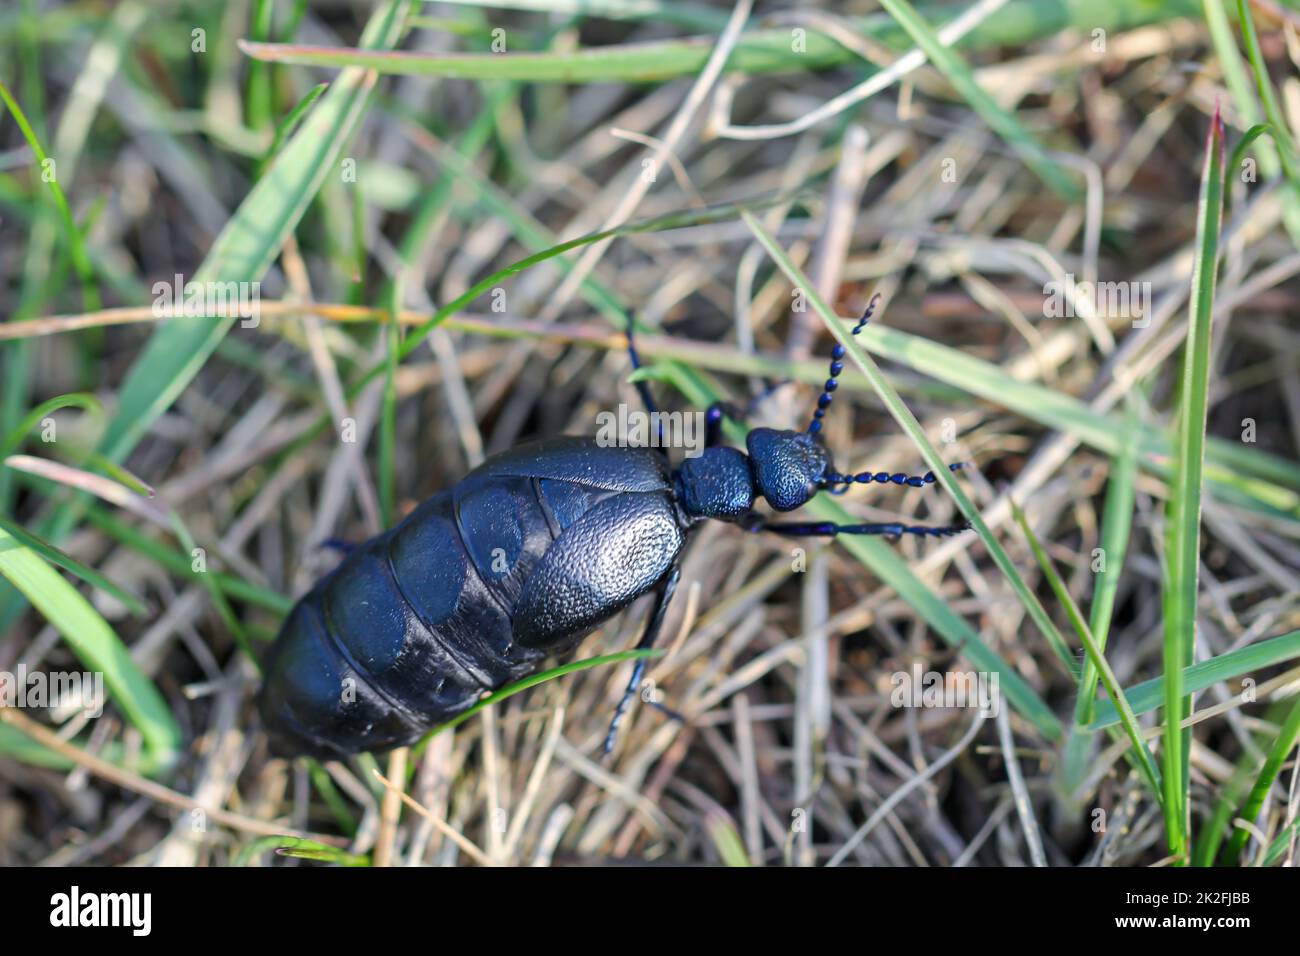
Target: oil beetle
<point>520,561</point>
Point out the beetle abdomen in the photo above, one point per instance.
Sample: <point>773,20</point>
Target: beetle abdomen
<point>415,624</point>
<point>404,634</point>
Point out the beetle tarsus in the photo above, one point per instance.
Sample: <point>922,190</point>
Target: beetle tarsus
<point>673,715</point>
<point>830,529</point>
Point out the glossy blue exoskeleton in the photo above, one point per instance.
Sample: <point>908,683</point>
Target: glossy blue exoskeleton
<point>518,562</point>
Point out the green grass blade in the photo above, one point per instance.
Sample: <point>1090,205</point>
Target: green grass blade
<point>1000,120</point>
<point>1239,153</point>
<point>1283,744</point>
<point>180,564</point>
<point>1239,475</point>
<point>329,791</point>
<point>768,52</point>
<point>674,220</point>
<point>49,173</point>
<point>1149,695</point>
<point>18,746</point>
<point>1116,526</point>
<point>1283,151</point>
<point>299,848</point>
<point>1210,837</point>
<point>286,126</point>
<point>112,469</point>
<point>223,608</point>
<point>1180,585</point>
<point>727,842</point>
<point>72,566</point>
<point>884,563</point>
<point>94,642</point>
<point>318,852</point>
<point>907,421</point>
<point>242,252</point>
<point>1146,762</point>
<point>1244,476</point>
<point>1281,843</point>
<point>532,681</point>
<point>530,233</point>
<point>83,400</point>
<point>1235,75</point>
<point>1065,413</point>
<point>756,52</point>
<point>1286,146</point>
<point>259,95</point>
<point>388,418</point>
<point>412,340</point>
<point>249,243</point>
<point>1238,80</point>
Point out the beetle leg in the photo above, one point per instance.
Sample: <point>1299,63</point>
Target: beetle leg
<point>713,422</point>
<point>663,595</point>
<point>338,544</point>
<point>642,387</point>
<point>720,410</point>
<point>829,529</point>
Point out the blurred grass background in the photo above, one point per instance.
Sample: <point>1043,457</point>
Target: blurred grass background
<point>511,181</point>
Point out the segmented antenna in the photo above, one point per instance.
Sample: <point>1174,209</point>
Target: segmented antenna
<point>898,478</point>
<point>837,366</point>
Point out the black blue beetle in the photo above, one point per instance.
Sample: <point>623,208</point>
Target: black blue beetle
<point>518,562</point>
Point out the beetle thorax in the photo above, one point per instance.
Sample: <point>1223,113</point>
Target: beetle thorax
<point>717,483</point>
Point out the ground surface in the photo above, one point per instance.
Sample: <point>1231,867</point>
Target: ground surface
<point>979,203</point>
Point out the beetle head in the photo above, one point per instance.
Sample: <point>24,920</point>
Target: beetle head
<point>788,466</point>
